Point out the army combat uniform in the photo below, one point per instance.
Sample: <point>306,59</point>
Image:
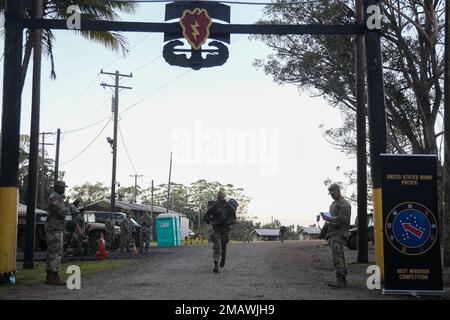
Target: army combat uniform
<point>109,231</point>
<point>125,234</point>
<point>146,229</point>
<point>80,242</point>
<point>220,216</point>
<point>282,233</point>
<point>337,231</point>
<point>54,229</point>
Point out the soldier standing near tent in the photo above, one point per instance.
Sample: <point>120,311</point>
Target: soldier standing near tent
<point>220,215</point>
<point>146,229</point>
<point>109,230</point>
<point>125,233</point>
<point>54,230</point>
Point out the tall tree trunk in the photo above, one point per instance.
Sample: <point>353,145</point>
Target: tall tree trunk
<point>26,57</point>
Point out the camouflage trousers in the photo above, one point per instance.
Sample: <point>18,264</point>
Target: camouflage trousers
<point>80,245</point>
<point>219,236</point>
<point>109,240</point>
<point>144,238</point>
<point>55,251</point>
<point>125,241</point>
<point>337,252</point>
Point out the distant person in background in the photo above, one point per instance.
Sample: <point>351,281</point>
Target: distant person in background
<point>109,229</point>
<point>283,230</point>
<point>337,231</point>
<point>220,215</point>
<point>125,233</point>
<point>146,229</point>
<point>80,241</point>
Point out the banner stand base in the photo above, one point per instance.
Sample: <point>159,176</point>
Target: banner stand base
<point>415,293</point>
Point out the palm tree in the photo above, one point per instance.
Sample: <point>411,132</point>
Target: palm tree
<point>91,10</point>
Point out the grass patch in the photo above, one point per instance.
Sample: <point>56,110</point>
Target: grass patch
<point>36,276</point>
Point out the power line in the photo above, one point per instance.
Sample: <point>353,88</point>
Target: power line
<point>76,101</point>
<point>95,78</point>
<point>156,91</point>
<point>90,143</point>
<point>146,64</point>
<point>126,150</point>
<point>103,119</point>
<point>128,51</point>
<point>88,126</point>
<point>228,2</point>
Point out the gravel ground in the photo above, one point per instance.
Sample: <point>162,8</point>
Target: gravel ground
<point>292,270</point>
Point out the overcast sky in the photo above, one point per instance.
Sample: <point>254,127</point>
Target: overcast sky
<point>230,124</point>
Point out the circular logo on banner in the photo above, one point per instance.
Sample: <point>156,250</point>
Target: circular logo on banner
<point>411,228</point>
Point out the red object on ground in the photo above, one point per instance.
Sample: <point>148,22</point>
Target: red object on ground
<point>102,254</point>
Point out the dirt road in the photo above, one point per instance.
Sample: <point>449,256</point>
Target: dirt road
<point>265,270</point>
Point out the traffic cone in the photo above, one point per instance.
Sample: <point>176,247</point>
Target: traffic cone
<point>102,254</point>
<point>134,249</point>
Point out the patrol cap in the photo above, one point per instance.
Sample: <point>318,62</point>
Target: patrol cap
<point>60,183</point>
<point>221,195</point>
<point>333,188</point>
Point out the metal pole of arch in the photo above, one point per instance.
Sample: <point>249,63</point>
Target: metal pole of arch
<point>9,162</point>
<point>446,215</point>
<point>377,118</point>
<point>361,141</point>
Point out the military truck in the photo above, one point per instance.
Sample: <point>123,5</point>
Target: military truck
<point>41,217</point>
<point>95,224</point>
<point>352,240</point>
<point>93,229</point>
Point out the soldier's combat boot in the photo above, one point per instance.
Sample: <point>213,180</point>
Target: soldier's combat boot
<point>341,282</point>
<point>216,267</point>
<point>57,280</point>
<point>54,279</point>
<point>222,262</point>
<point>48,279</point>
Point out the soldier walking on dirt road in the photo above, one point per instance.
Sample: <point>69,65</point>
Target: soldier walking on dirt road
<point>220,215</point>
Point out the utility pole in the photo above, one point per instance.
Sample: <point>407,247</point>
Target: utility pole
<point>168,186</point>
<point>58,139</point>
<point>116,87</point>
<point>153,215</point>
<point>135,184</point>
<point>28,261</point>
<point>42,195</point>
<point>361,141</point>
<point>446,213</point>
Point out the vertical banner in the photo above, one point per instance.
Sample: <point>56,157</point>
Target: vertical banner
<point>412,260</point>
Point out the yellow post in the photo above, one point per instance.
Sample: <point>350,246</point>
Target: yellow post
<point>9,197</point>
<point>378,232</point>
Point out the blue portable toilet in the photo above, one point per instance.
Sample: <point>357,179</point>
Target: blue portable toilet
<point>166,230</point>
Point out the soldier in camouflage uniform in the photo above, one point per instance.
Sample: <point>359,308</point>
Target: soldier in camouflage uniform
<point>338,226</point>
<point>220,216</point>
<point>54,229</point>
<point>109,231</point>
<point>283,230</point>
<point>146,229</point>
<point>80,241</point>
<point>125,233</point>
